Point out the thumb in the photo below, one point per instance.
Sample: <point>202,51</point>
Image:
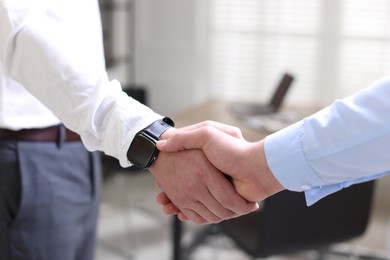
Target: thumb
<point>181,141</point>
<point>172,144</point>
<point>163,146</point>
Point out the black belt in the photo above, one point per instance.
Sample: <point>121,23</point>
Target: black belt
<point>49,134</point>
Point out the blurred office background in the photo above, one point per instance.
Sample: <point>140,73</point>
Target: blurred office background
<point>185,52</point>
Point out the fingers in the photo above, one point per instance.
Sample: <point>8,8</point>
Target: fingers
<point>228,196</point>
<point>170,209</point>
<point>178,174</point>
<point>227,129</point>
<point>189,139</point>
<point>194,187</point>
<point>200,214</point>
<point>185,214</point>
<point>162,198</point>
<point>233,205</point>
<point>182,217</point>
<point>223,200</point>
<point>194,136</point>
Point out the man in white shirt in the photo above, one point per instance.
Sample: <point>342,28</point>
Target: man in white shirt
<point>52,71</point>
<point>341,145</point>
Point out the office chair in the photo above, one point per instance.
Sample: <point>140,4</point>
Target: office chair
<point>285,225</point>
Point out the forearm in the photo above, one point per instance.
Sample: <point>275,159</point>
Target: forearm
<point>341,144</point>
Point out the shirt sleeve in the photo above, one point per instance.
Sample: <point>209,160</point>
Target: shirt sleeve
<point>341,145</point>
<point>54,50</point>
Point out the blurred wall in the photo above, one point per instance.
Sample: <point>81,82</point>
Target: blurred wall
<point>171,52</point>
<point>161,46</point>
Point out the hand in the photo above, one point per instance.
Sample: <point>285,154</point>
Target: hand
<point>245,162</point>
<point>196,188</point>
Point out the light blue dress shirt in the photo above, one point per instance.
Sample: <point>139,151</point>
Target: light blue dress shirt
<point>343,144</point>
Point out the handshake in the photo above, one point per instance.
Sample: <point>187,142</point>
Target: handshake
<point>208,172</point>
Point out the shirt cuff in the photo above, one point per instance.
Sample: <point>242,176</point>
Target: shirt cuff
<point>287,160</point>
<point>317,193</point>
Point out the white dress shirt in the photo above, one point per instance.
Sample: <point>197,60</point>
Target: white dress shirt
<point>53,49</point>
<point>343,144</point>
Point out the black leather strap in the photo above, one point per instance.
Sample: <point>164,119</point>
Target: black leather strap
<point>158,127</point>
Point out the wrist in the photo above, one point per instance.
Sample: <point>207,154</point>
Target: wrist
<point>271,184</point>
<point>142,151</point>
<point>263,182</point>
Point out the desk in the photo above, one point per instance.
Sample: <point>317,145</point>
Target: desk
<point>215,110</point>
<point>218,110</point>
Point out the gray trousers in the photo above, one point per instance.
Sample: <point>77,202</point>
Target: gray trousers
<point>49,197</point>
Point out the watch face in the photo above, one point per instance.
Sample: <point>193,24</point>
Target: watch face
<point>141,151</point>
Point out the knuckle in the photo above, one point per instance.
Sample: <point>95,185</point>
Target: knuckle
<point>236,131</point>
<point>208,130</point>
<point>208,123</point>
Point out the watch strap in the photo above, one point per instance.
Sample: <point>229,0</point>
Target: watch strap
<point>142,151</point>
<point>158,127</point>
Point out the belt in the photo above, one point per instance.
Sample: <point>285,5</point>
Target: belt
<point>49,134</point>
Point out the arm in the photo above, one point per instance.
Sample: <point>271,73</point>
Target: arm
<point>243,161</point>
<point>56,53</point>
<point>343,144</point>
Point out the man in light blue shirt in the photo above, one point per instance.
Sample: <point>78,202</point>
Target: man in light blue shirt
<point>343,144</point>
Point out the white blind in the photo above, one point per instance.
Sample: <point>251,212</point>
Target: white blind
<point>333,47</point>
<point>365,48</point>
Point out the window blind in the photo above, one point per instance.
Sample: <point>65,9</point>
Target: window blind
<point>333,47</point>
<point>365,48</point>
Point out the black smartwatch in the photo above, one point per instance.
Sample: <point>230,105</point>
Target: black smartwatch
<point>142,151</point>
